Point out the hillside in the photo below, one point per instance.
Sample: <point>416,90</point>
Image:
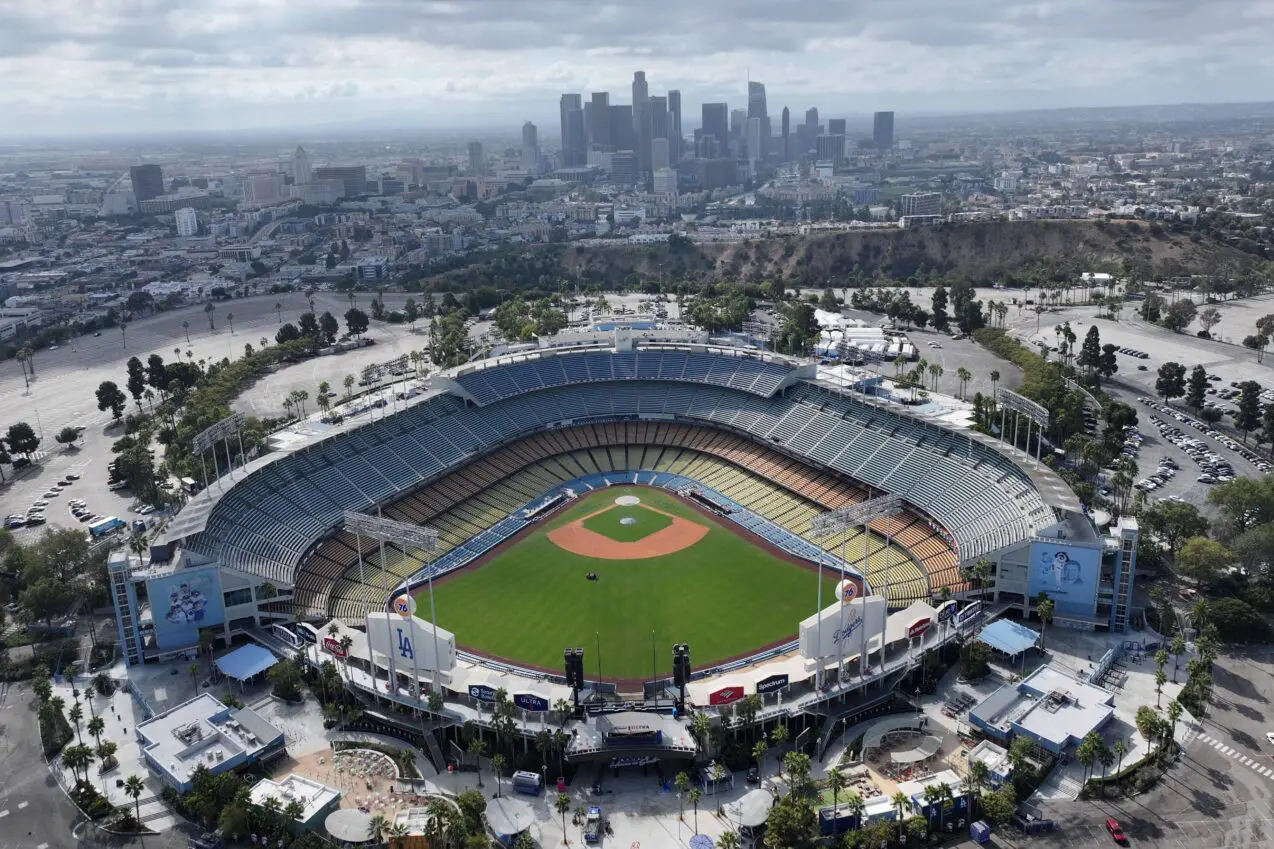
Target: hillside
<point>980,251</point>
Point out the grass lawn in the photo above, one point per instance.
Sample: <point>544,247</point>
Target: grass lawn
<point>723,596</point>
<point>610,524</point>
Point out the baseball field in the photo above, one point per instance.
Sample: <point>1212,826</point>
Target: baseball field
<point>617,565</point>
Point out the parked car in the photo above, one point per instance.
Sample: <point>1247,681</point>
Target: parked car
<point>1116,833</point>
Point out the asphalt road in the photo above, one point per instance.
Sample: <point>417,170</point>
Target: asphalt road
<point>34,812</point>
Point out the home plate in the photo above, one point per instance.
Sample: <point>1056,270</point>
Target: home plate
<point>627,500</point>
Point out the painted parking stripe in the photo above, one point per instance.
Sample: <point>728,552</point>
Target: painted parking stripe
<point>1254,765</point>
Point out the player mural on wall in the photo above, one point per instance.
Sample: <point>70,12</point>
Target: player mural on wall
<point>1060,573</point>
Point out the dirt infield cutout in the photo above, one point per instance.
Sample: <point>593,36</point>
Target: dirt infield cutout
<point>577,539</point>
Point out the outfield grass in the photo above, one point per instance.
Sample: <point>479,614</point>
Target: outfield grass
<point>724,596</point>
<point>609,524</point>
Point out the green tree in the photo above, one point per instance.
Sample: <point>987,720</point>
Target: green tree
<point>497,767</point>
<point>21,439</point>
<point>1171,382</point>
<point>356,322</point>
<point>1044,607</point>
<point>134,787</point>
<point>111,397</point>
<point>1202,559</point>
<point>999,805</point>
<point>1197,388</point>
<point>1090,353</point>
<point>1247,413</point>
<point>1108,362</point>
<point>694,796</point>
<point>682,783</point>
<point>1174,522</point>
<point>562,804</point>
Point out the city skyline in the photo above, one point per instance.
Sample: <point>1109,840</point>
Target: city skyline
<point>115,68</point>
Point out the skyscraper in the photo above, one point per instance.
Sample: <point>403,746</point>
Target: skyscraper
<point>674,124</point>
<point>574,146</point>
<point>659,154</point>
<point>755,147</point>
<point>567,104</point>
<point>787,128</point>
<point>477,161</point>
<point>187,222</point>
<point>716,123</point>
<point>148,181</point>
<point>836,127</point>
<point>301,171</point>
<point>600,130</point>
<point>642,129</point>
<point>811,118</point>
<point>658,117</point>
<point>757,109</point>
<point>622,136</point>
<point>530,149</point>
<point>882,130</point>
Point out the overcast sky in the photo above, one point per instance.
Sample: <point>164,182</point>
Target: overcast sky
<point>71,66</point>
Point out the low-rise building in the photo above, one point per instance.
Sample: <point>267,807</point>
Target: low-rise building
<point>316,800</point>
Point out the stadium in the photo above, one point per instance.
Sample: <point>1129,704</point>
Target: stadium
<point>621,496</point>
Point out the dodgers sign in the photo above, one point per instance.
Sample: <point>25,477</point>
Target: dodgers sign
<point>481,692</point>
<point>531,702</point>
<point>772,684</point>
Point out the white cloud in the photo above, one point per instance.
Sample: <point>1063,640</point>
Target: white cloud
<point>112,65</point>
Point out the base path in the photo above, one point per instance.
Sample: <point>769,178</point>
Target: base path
<point>577,539</point>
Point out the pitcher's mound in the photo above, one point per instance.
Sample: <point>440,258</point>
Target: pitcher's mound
<point>628,501</point>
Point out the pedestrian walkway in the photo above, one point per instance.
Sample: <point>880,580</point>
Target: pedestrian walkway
<point>1230,751</point>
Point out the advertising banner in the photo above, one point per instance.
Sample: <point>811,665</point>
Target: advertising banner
<point>482,692</point>
<point>1069,574</point>
<point>531,702</point>
<point>725,696</point>
<point>918,628</point>
<point>333,646</point>
<point>839,629</point>
<point>772,684</point>
<point>948,610</point>
<point>184,602</point>
<point>964,617</point>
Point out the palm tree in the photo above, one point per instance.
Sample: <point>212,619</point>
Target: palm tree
<point>995,381</point>
<point>979,779</point>
<point>682,783</point>
<point>230,321</point>
<point>1105,757</point>
<point>76,714</point>
<point>376,827</point>
<point>123,333</point>
<point>856,806</point>
<point>1161,678</point>
<point>695,795</point>
<point>437,812</point>
<point>933,801</point>
<point>497,767</point>
<point>210,310</point>
<point>1044,606</point>
<point>1120,749</point>
<point>349,385</point>
<point>478,748</point>
<point>964,376</point>
<point>716,772</point>
<point>900,803</point>
<point>835,783</point>
<point>562,803</point>
<point>95,727</point>
<point>134,787</point>
<point>278,311</point>
<point>396,833</point>
<point>1174,714</point>
<point>758,755</point>
<point>729,840</point>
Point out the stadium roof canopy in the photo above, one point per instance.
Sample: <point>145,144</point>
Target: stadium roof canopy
<point>246,661</point>
<point>1008,637</point>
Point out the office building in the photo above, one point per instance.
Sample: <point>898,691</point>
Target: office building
<point>674,125</point>
<point>642,127</point>
<point>319,192</point>
<point>262,189</point>
<point>659,154</point>
<point>622,136</point>
<point>354,177</point>
<point>205,733</point>
<point>716,123</point>
<point>187,222</point>
<point>920,203</point>
<point>658,117</point>
<point>177,200</point>
<point>477,160</point>
<point>836,127</point>
<point>882,130</point>
<point>738,123</point>
<point>786,152</point>
<point>665,181</point>
<point>148,181</point>
<point>530,149</point>
<point>755,147</point>
<point>623,167</point>
<point>575,145</point>
<point>757,109</point>
<point>811,118</point>
<point>301,170</point>
<point>830,148</point>
<point>716,173</point>
<point>573,152</point>
<point>316,800</point>
<point>599,128</point>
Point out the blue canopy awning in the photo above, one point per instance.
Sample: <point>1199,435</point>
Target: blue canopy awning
<point>1008,637</point>
<point>246,661</point>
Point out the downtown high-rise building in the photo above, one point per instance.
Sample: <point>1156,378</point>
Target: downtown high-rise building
<point>836,127</point>
<point>599,130</point>
<point>477,160</point>
<point>757,109</point>
<point>147,180</point>
<point>882,130</point>
<point>716,123</point>
<point>658,117</point>
<point>674,124</point>
<point>301,171</point>
<point>643,130</point>
<point>786,152</point>
<point>622,136</point>
<point>187,222</point>
<point>573,152</point>
<point>530,149</point>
